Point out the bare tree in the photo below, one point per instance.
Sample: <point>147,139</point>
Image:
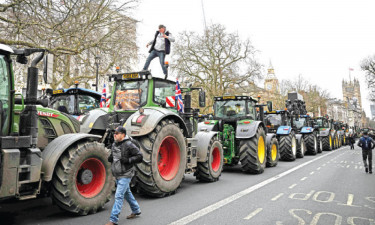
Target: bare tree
<point>216,60</point>
<point>368,65</point>
<point>75,31</point>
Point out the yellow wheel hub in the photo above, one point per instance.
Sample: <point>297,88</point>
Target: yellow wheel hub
<point>261,150</point>
<point>274,152</point>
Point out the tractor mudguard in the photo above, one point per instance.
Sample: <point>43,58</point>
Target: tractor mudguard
<point>211,126</point>
<point>307,130</point>
<point>299,138</point>
<point>204,138</point>
<point>56,148</point>
<point>245,131</point>
<point>324,133</point>
<point>269,138</point>
<point>284,130</point>
<point>140,125</point>
<point>96,119</point>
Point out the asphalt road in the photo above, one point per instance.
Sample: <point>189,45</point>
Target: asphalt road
<point>329,188</point>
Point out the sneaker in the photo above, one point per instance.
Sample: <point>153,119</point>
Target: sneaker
<point>370,171</point>
<point>366,169</point>
<point>133,215</point>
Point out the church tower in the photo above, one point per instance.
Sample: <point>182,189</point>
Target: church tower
<point>351,92</point>
<point>271,82</point>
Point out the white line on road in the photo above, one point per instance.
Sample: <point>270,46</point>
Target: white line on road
<point>292,186</point>
<point>277,197</point>
<point>312,173</point>
<point>253,214</point>
<point>196,215</point>
<point>303,178</point>
<point>318,168</point>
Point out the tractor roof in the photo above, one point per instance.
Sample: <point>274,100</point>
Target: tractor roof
<point>234,97</point>
<point>77,91</point>
<point>141,75</point>
<point>6,48</point>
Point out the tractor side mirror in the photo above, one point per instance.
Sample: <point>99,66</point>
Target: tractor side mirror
<point>48,68</point>
<point>202,99</point>
<point>269,105</point>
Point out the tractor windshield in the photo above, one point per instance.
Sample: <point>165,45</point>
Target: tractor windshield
<point>230,109</point>
<point>299,123</point>
<point>87,103</point>
<point>162,90</point>
<point>130,95</point>
<point>321,123</point>
<point>4,96</point>
<point>273,120</point>
<point>64,103</point>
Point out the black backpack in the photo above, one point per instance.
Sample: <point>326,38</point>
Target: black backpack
<point>366,143</point>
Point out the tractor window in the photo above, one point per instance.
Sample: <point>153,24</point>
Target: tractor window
<point>4,96</point>
<point>230,109</point>
<point>252,111</point>
<point>273,120</point>
<point>162,90</point>
<point>130,95</point>
<point>87,103</point>
<point>64,103</point>
<point>299,123</point>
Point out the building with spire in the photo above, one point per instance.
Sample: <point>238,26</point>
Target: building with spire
<point>351,92</point>
<point>271,83</point>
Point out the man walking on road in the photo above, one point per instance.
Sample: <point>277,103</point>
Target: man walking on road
<point>351,141</point>
<point>160,46</point>
<point>367,145</point>
<point>124,154</point>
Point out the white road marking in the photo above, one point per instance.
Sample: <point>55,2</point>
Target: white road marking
<point>202,212</point>
<point>312,173</point>
<point>277,197</point>
<point>251,215</point>
<point>347,166</point>
<point>318,168</point>
<point>292,186</point>
<point>303,178</point>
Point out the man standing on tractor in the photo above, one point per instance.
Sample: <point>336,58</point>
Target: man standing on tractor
<point>160,46</point>
<point>367,144</point>
<point>124,154</point>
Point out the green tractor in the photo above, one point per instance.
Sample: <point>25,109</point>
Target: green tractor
<point>327,140</point>
<point>42,153</point>
<point>243,134</point>
<point>170,143</point>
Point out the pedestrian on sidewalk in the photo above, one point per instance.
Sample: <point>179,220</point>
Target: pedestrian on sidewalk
<point>351,141</point>
<point>367,144</point>
<point>124,154</point>
<point>160,46</point>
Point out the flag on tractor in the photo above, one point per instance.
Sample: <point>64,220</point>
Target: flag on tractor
<point>103,100</point>
<point>180,104</point>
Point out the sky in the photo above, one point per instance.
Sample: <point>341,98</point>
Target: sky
<point>319,39</point>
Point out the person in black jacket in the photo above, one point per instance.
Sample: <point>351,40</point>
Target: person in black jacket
<point>124,154</point>
<point>160,46</point>
<point>367,144</point>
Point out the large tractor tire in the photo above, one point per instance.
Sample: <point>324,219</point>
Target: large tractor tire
<point>288,147</point>
<point>320,145</point>
<point>210,170</point>
<point>327,143</point>
<point>253,153</point>
<point>82,182</point>
<point>164,160</point>
<point>273,153</point>
<point>301,148</point>
<point>311,143</point>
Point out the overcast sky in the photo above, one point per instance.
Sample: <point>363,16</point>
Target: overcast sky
<point>319,39</point>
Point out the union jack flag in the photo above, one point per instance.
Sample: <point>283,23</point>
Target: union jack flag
<point>103,100</point>
<point>180,104</point>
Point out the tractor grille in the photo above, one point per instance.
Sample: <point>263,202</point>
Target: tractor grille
<point>48,129</point>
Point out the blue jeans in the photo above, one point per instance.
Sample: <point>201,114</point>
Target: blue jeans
<point>153,55</point>
<point>123,190</point>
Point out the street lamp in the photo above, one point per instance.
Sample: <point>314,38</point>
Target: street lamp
<point>97,62</point>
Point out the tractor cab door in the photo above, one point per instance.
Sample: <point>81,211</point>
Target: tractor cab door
<point>5,97</point>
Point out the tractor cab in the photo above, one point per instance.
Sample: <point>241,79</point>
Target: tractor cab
<point>74,101</point>
<point>233,108</point>
<point>275,119</point>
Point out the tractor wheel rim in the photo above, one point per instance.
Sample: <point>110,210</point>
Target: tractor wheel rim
<point>274,152</point>
<point>168,158</point>
<point>97,181</point>
<point>216,159</point>
<point>330,141</point>
<point>315,143</point>
<point>294,146</point>
<point>261,150</point>
<point>302,148</point>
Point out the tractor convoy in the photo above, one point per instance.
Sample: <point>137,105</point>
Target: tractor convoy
<point>58,146</point>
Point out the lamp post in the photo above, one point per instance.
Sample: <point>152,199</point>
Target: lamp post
<point>97,62</point>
